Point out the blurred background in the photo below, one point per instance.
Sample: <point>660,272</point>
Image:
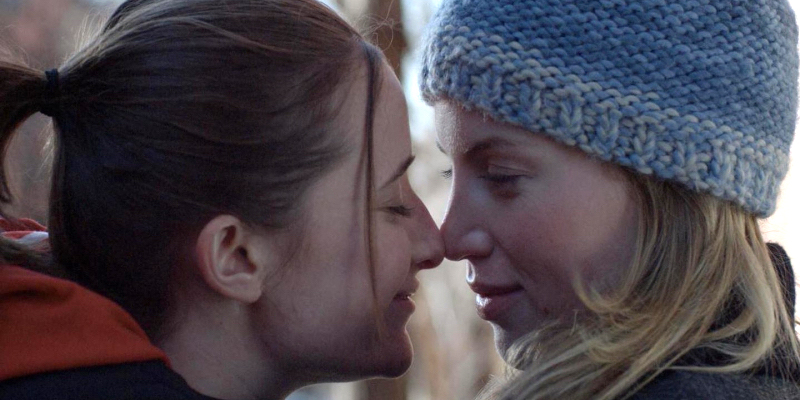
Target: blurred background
<point>454,349</point>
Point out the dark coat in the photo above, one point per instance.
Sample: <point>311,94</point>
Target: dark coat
<point>148,380</point>
<point>775,382</point>
<point>686,385</point>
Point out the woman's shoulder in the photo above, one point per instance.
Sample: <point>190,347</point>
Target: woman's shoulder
<point>149,380</point>
<point>690,385</point>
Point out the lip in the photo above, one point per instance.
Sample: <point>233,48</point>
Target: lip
<point>403,298</point>
<point>407,290</point>
<point>493,301</point>
<point>403,303</point>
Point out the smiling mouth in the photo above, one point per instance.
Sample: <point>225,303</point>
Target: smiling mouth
<point>403,296</point>
<point>492,303</point>
<point>404,304</point>
<point>406,291</point>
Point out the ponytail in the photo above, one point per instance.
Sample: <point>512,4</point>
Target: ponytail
<point>23,92</point>
<point>177,111</point>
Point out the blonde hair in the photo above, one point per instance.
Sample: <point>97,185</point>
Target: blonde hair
<point>701,279</point>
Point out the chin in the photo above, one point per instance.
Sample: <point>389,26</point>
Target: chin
<point>522,339</point>
<point>504,342</point>
<point>501,343</point>
<point>396,369</point>
<point>383,363</point>
<point>388,357</point>
<point>394,356</point>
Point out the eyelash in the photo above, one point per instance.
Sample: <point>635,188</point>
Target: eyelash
<point>400,210</point>
<point>498,179</point>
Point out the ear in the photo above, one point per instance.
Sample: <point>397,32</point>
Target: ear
<point>225,249</point>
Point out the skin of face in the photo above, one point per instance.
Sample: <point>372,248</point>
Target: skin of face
<point>319,317</point>
<point>530,216</point>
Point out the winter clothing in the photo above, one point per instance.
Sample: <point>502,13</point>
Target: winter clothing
<point>145,380</point>
<point>703,93</point>
<point>768,382</point>
<point>686,385</point>
<point>59,340</point>
<point>51,324</point>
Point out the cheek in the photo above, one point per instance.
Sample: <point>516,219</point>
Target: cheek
<point>608,229</point>
<point>532,238</point>
<point>560,232</point>
<point>392,260</point>
<point>325,277</point>
<point>539,230</point>
<point>593,228</point>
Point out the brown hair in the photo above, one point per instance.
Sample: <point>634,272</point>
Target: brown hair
<point>180,110</point>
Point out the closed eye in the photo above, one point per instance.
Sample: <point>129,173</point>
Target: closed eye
<point>501,178</point>
<point>504,186</point>
<point>400,210</point>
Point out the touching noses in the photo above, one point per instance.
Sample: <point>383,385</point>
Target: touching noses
<point>428,245</point>
<point>461,231</point>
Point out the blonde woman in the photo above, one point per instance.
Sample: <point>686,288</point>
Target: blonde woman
<point>611,160</point>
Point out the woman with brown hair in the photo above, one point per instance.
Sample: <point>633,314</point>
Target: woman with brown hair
<point>610,162</point>
<point>229,214</point>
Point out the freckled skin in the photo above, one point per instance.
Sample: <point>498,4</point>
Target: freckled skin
<point>529,213</point>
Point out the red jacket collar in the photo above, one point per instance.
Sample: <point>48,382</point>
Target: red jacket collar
<point>49,324</point>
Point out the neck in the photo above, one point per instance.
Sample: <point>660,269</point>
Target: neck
<point>219,356</point>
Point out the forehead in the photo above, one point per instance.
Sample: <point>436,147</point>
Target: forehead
<point>353,100</point>
<point>459,130</point>
<point>391,115</point>
<point>462,133</point>
<point>391,139</point>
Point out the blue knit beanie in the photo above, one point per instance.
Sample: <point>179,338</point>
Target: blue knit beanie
<point>702,92</point>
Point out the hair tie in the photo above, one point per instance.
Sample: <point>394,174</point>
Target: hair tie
<point>51,100</point>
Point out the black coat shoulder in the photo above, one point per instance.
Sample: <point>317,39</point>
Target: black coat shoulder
<point>140,381</point>
<point>687,385</point>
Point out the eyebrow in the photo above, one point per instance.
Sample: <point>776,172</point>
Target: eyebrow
<point>487,144</point>
<point>482,145</point>
<point>440,147</point>
<point>401,169</point>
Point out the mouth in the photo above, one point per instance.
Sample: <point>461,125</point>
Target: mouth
<point>403,304</point>
<point>407,291</point>
<point>403,296</point>
<point>493,302</point>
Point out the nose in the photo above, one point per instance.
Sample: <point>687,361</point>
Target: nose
<point>428,250</point>
<point>462,233</point>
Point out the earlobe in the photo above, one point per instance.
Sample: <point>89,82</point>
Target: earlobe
<point>225,261</point>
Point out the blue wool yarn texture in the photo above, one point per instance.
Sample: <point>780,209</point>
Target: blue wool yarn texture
<point>701,92</point>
